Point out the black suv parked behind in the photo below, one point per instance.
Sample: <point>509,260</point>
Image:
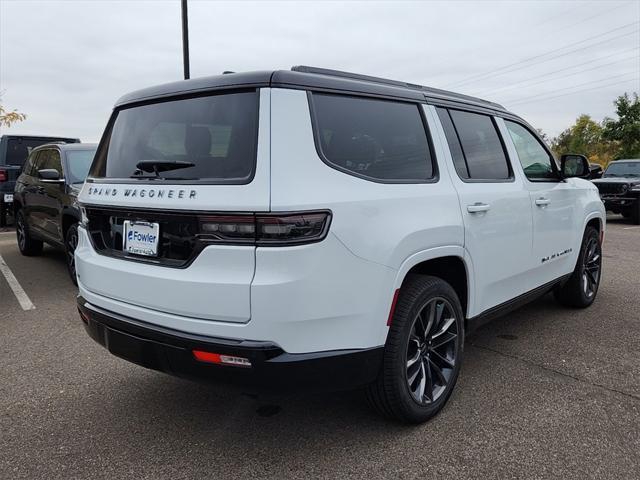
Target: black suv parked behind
<point>620,188</point>
<point>45,198</point>
<point>14,150</point>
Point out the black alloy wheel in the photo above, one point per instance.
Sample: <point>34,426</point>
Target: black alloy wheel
<point>71,242</point>
<point>432,351</point>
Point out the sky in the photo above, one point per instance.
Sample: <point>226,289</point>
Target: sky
<point>65,63</point>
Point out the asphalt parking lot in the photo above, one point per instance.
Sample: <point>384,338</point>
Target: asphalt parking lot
<point>546,392</point>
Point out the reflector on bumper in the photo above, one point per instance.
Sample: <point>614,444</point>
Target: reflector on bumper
<point>209,357</point>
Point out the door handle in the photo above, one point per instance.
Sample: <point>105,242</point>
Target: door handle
<point>542,202</point>
<point>478,207</point>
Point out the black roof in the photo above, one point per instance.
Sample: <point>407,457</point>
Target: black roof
<point>43,137</point>
<point>303,77</point>
<point>68,146</point>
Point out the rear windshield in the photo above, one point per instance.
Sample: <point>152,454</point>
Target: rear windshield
<point>212,138</point>
<point>623,169</point>
<point>18,149</point>
<point>78,164</point>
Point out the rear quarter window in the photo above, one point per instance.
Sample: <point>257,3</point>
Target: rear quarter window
<point>377,140</point>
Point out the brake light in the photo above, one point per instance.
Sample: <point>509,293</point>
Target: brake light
<point>217,358</point>
<point>266,229</point>
<point>3,175</point>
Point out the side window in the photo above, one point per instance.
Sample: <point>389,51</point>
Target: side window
<point>40,162</point>
<point>53,161</point>
<point>378,140</point>
<point>454,143</point>
<point>536,161</point>
<point>481,145</point>
<point>29,165</point>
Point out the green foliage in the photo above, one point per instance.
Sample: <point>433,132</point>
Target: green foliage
<point>626,129</point>
<point>606,141</point>
<point>585,137</point>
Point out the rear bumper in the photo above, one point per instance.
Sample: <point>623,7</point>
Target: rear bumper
<point>272,368</point>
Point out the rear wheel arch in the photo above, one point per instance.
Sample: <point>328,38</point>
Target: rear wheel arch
<point>450,268</point>
<point>68,218</point>
<point>595,223</point>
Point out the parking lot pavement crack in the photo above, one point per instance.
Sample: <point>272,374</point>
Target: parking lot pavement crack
<point>558,372</point>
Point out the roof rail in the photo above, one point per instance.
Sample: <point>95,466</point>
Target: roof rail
<point>353,76</point>
<point>395,83</point>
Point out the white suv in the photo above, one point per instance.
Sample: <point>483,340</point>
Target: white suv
<point>319,229</point>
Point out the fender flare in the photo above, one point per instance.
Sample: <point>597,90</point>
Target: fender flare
<point>457,251</point>
<point>590,216</point>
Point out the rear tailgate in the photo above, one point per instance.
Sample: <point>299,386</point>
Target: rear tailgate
<point>187,276</point>
<point>8,176</point>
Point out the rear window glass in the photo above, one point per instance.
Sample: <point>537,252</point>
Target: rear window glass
<point>78,164</point>
<point>212,138</point>
<point>379,140</point>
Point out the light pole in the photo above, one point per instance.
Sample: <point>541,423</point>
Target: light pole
<point>185,40</point>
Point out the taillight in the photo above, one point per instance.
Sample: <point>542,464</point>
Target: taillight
<point>265,229</point>
<point>228,228</point>
<point>3,175</point>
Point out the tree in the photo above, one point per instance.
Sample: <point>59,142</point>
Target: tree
<point>543,135</point>
<point>585,137</point>
<point>626,129</point>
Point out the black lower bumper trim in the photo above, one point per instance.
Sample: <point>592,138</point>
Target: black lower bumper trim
<point>170,351</point>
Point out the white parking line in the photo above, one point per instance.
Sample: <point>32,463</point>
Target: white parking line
<point>630,228</point>
<point>18,291</point>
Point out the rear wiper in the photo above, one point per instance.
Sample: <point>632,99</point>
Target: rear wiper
<point>157,166</point>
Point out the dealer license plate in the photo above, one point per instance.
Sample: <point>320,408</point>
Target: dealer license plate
<point>141,238</point>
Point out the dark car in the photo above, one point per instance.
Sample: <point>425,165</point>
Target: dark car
<point>620,188</point>
<point>45,200</point>
<point>14,150</point>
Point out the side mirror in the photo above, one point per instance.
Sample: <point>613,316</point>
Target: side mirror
<point>596,171</point>
<point>572,165</point>
<point>50,175</point>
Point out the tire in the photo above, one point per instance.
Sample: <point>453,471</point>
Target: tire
<point>582,287</point>
<point>428,304</point>
<point>635,212</point>
<point>70,244</point>
<point>27,245</point>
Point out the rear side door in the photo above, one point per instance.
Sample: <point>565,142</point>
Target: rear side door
<point>33,193</point>
<point>495,207</point>
<point>553,203</point>
<point>51,192</point>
